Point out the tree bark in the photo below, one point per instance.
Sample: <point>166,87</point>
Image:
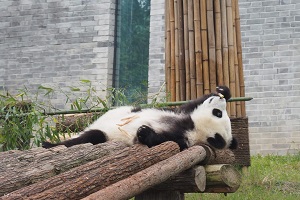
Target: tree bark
<point>151,176</point>
<point>208,179</point>
<point>99,174</point>
<point>190,181</point>
<point>216,156</point>
<point>222,179</point>
<point>22,168</point>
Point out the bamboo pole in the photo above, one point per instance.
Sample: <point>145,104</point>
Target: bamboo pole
<point>167,49</point>
<point>240,58</point>
<point>177,74</point>
<point>225,48</point>
<point>186,50</point>
<point>181,51</point>
<point>231,56</point>
<point>218,31</point>
<point>204,46</point>
<point>192,49</point>
<point>172,28</point>
<point>236,67</point>
<point>198,49</point>
<point>211,44</point>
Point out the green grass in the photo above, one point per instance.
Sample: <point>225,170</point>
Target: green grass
<point>269,178</point>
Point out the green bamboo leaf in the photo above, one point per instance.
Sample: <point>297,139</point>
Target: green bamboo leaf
<point>74,89</point>
<point>85,81</point>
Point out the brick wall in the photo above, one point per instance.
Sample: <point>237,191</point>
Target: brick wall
<point>156,77</point>
<point>271,50</point>
<point>56,43</point>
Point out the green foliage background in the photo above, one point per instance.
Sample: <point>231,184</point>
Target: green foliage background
<point>132,54</point>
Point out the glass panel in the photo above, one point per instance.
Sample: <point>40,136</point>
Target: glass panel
<point>132,49</point>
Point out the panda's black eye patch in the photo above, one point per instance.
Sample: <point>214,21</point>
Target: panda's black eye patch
<point>216,112</point>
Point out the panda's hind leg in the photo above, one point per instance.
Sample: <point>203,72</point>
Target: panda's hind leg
<point>91,136</point>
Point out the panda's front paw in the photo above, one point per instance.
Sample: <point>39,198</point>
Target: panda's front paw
<point>144,133</point>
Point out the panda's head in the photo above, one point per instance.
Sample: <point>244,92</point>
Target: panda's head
<point>212,124</point>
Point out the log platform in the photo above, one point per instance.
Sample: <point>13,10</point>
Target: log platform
<point>115,171</point>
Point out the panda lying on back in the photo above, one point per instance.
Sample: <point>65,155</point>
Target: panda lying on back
<point>203,120</point>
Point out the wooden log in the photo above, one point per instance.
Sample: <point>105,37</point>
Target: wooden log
<point>190,181</point>
<point>100,177</point>
<point>204,46</point>
<point>222,178</point>
<point>211,178</point>
<point>186,50</point>
<point>24,168</point>
<point>198,49</point>
<point>152,176</point>
<point>213,157</point>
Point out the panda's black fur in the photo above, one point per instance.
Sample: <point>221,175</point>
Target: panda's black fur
<point>187,125</point>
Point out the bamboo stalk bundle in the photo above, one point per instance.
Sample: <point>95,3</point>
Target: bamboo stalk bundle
<point>203,50</point>
<point>172,28</point>
<point>186,50</point>
<point>198,49</point>
<point>204,46</point>
<point>240,59</point>
<point>211,43</point>
<point>167,48</point>
<point>192,49</point>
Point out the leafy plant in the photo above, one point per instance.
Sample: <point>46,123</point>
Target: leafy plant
<point>27,119</point>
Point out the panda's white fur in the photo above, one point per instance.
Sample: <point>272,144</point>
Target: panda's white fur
<point>207,124</point>
<point>192,124</point>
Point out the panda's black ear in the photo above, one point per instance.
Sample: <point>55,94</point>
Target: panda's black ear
<point>233,144</point>
<point>225,91</point>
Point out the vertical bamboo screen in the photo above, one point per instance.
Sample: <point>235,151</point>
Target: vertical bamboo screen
<point>203,50</point>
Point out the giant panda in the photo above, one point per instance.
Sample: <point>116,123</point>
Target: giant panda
<point>200,121</point>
